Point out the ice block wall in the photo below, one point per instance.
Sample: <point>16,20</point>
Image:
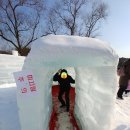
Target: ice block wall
<point>95,66</point>
<point>8,65</point>
<point>95,96</point>
<point>35,111</point>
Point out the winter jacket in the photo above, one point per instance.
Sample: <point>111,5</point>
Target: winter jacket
<point>127,67</point>
<point>64,83</point>
<point>123,81</point>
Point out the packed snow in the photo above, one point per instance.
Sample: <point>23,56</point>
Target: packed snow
<point>96,106</point>
<point>92,59</point>
<point>9,118</point>
<point>8,65</point>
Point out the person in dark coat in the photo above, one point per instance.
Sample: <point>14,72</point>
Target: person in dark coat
<point>127,72</point>
<point>64,81</point>
<point>123,80</point>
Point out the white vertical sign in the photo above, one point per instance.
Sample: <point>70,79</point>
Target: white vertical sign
<point>25,82</point>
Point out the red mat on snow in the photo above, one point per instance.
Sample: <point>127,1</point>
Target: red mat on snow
<point>55,113</point>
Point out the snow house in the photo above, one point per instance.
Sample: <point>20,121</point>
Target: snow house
<point>95,64</point>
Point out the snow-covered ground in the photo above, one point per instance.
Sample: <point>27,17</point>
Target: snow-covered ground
<point>122,114</point>
<point>9,112</point>
<point>9,119</point>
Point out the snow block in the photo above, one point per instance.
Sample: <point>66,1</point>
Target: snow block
<point>8,65</point>
<point>95,64</point>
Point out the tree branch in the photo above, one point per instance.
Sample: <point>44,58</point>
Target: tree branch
<point>5,38</point>
<point>33,31</point>
<point>9,28</point>
<point>16,25</point>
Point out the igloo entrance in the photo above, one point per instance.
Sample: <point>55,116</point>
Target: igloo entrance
<point>60,119</point>
<point>95,66</point>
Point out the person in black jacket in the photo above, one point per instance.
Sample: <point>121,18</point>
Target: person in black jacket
<point>64,81</point>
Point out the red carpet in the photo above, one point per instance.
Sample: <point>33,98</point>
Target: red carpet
<point>55,114</point>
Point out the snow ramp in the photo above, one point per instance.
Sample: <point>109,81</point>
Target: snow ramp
<point>95,64</point>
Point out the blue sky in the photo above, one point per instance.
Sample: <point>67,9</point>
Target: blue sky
<point>116,29</point>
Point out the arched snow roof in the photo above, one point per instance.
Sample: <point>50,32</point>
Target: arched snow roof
<point>59,49</point>
<point>95,64</point>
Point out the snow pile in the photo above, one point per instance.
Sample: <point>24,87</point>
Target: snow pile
<point>95,95</point>
<point>8,65</point>
<point>95,66</point>
<point>9,119</point>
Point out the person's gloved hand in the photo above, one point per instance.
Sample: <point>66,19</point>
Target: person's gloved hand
<point>59,71</point>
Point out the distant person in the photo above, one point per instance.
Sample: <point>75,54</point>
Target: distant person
<point>64,81</point>
<point>123,80</point>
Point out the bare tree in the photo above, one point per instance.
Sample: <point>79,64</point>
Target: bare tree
<point>93,19</point>
<point>76,17</point>
<point>19,22</point>
<point>53,26</point>
<point>66,13</point>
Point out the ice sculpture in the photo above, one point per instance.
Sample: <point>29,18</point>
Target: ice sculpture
<point>95,65</point>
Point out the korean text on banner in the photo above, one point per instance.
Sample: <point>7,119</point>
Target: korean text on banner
<point>25,82</point>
